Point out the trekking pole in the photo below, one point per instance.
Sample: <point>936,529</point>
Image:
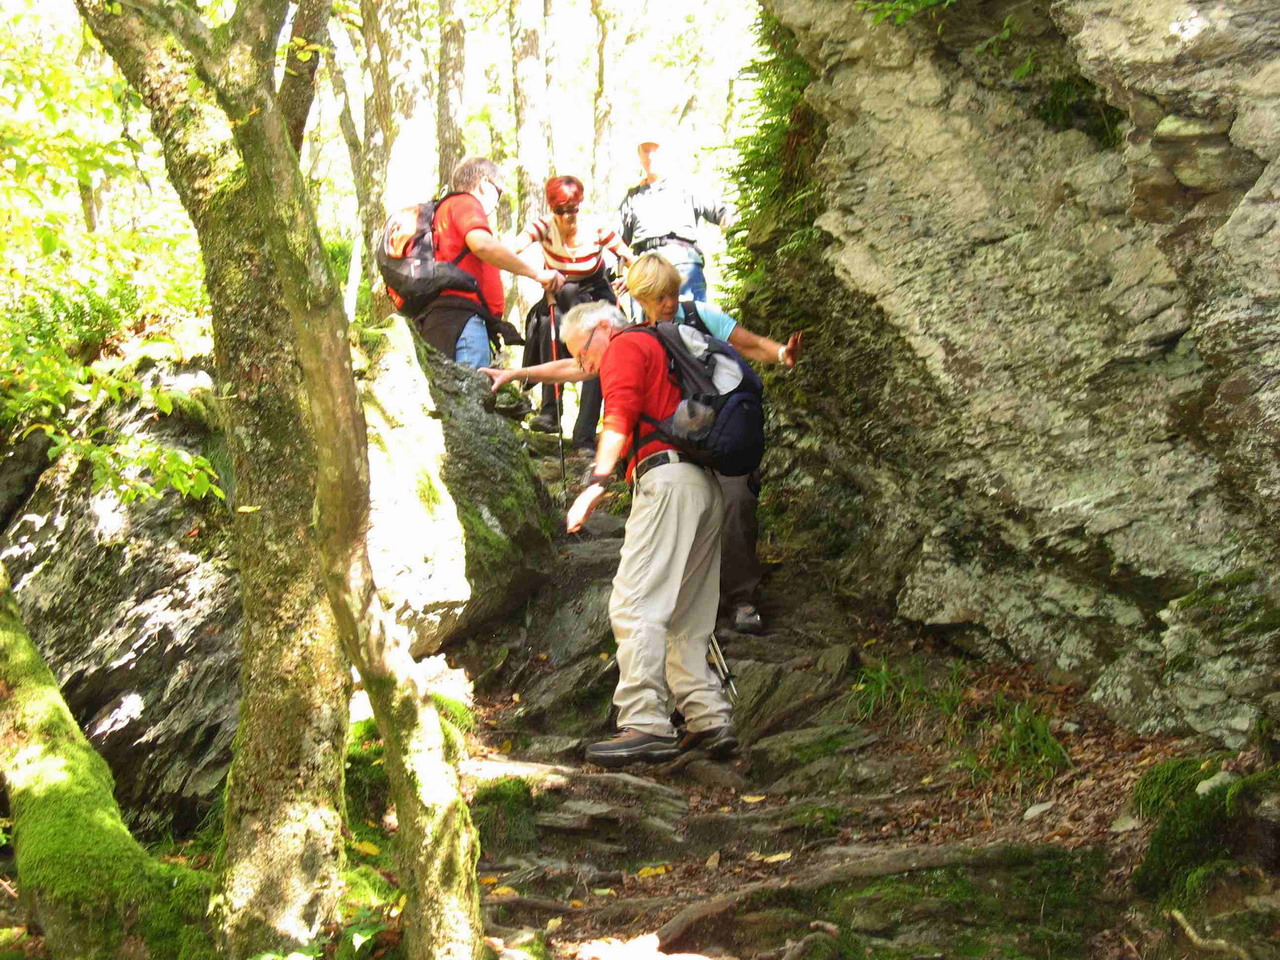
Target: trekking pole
<point>555,355</point>
<point>722,668</point>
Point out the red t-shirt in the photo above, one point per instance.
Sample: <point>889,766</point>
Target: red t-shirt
<point>634,380</point>
<point>455,218</point>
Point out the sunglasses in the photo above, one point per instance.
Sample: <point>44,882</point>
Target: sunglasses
<point>564,211</point>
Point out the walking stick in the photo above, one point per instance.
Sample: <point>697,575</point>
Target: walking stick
<point>555,355</point>
<point>722,668</point>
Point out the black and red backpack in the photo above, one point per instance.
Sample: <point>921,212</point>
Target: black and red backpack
<point>406,257</point>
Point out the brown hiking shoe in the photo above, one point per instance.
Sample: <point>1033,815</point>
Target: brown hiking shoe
<point>632,746</point>
<point>718,742</point>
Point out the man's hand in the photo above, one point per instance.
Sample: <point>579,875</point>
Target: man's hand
<point>582,507</point>
<point>551,280</point>
<point>795,347</point>
<point>620,286</point>
<point>499,377</point>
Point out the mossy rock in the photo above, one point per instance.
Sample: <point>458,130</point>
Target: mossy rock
<point>776,756</point>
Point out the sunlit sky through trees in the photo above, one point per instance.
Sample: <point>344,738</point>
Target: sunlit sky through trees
<point>72,130</point>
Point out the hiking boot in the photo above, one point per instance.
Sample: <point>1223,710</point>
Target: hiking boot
<point>545,423</point>
<point>746,619</point>
<point>718,742</point>
<point>632,746</point>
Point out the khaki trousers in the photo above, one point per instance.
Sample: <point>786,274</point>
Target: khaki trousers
<point>664,600</point>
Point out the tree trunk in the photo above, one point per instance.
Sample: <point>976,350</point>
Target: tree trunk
<point>395,45</point>
<point>95,892</point>
<point>449,96</point>
<point>601,159</point>
<point>550,66</point>
<point>298,86</point>
<point>437,845</point>
<point>284,795</point>
<point>530,86</point>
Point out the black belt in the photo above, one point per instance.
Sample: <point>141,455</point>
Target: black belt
<point>654,242</point>
<point>659,459</point>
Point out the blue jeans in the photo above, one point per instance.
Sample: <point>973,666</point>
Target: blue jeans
<point>472,349</point>
<point>692,281</point>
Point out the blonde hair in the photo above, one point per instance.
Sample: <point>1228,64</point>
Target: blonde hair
<point>652,276</point>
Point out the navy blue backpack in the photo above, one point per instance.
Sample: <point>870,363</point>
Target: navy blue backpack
<point>720,420</point>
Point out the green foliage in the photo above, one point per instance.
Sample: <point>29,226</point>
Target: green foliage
<point>1167,784</point>
<point>503,812</point>
<point>900,11</point>
<point>1191,834</point>
<point>778,196</point>
<point>455,712</point>
<point>1199,839</point>
<point>1073,103</point>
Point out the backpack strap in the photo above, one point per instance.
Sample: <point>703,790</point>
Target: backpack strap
<point>693,318</point>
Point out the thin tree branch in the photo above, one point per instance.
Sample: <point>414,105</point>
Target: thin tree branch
<point>1208,946</point>
<point>255,27</point>
<point>298,87</point>
<point>183,21</point>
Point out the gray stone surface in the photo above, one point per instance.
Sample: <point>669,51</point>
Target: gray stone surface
<point>136,609</point>
<point>459,528</point>
<point>1061,392</point>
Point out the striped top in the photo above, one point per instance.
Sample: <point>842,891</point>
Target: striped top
<point>584,257</point>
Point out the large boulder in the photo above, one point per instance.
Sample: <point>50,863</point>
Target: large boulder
<point>459,526</point>
<point>1057,389</point>
<point>136,606</point>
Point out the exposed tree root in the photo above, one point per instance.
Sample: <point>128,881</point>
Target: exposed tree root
<point>1208,946</point>
<point>887,864</point>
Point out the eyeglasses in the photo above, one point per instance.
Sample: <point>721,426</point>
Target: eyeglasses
<point>585,347</point>
<point>565,211</point>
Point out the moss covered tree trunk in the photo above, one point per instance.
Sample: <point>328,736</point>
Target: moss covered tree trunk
<point>94,891</point>
<point>436,843</point>
<point>280,878</point>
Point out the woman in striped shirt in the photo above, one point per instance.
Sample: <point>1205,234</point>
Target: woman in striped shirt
<point>575,246</point>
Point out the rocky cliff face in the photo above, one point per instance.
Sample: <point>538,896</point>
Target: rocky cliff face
<point>136,607</point>
<point>1054,435</point>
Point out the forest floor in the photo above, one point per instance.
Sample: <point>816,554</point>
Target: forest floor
<point>945,808</point>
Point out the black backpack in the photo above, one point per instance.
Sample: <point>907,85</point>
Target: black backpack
<point>417,278</point>
<point>720,420</point>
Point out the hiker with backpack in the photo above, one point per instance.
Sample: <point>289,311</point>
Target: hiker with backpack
<point>574,244</point>
<point>441,263</point>
<point>655,284</point>
<point>660,214</point>
<point>663,604</point>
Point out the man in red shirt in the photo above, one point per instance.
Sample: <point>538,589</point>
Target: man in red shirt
<point>667,589</point>
<point>458,322</point>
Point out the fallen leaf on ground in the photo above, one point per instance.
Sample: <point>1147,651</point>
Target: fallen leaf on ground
<point>657,871</point>
<point>713,861</point>
<point>367,848</point>
<point>488,881</point>
<point>504,892</point>
<point>752,799</point>
<point>778,857</point>
<point>603,892</point>
<point>554,923</point>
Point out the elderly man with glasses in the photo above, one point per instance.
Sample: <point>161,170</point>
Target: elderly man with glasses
<point>459,323</point>
<point>666,591</point>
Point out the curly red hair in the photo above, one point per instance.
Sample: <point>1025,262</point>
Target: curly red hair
<point>564,192</point>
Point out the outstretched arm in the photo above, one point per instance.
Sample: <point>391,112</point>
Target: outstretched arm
<point>493,251</point>
<point>764,350</point>
<point>554,371</point>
